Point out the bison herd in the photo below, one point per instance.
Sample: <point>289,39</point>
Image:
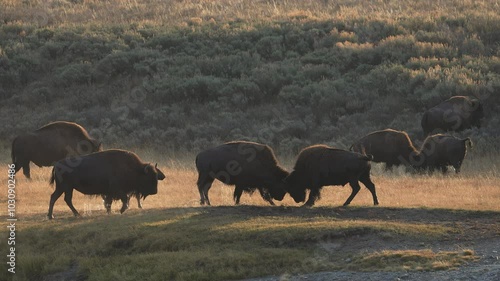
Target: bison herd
<point>80,163</point>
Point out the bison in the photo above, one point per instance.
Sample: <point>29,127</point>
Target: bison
<point>320,165</point>
<point>387,146</point>
<point>439,151</point>
<point>114,174</point>
<point>51,143</point>
<point>455,114</point>
<point>247,165</point>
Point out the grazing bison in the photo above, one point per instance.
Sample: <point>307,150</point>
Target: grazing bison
<point>320,165</point>
<point>387,146</point>
<point>247,165</point>
<point>114,174</point>
<point>455,114</point>
<point>51,143</point>
<point>439,151</point>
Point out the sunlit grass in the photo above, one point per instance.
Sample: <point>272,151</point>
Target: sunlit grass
<point>226,242</point>
<point>413,260</point>
<point>196,12</point>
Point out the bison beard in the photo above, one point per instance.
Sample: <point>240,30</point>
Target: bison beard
<point>320,165</point>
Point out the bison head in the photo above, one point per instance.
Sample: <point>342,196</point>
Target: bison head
<point>160,174</point>
<point>150,184</point>
<point>278,190</point>
<point>295,188</point>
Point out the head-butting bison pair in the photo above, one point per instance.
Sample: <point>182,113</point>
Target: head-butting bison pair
<point>250,166</point>
<point>395,148</point>
<point>114,174</point>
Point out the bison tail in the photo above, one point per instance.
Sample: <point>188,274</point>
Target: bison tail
<point>468,142</point>
<point>12,152</point>
<point>53,176</point>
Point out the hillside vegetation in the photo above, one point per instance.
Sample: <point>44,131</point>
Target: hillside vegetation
<point>186,75</point>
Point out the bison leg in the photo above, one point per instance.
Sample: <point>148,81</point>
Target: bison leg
<point>365,179</point>
<point>26,169</point>
<point>107,203</point>
<point>139,204</point>
<point>204,184</point>
<point>68,196</point>
<point>53,198</point>
<point>266,196</point>
<point>237,194</point>
<point>138,198</point>
<point>124,203</point>
<point>313,196</point>
<point>355,189</point>
<point>444,170</point>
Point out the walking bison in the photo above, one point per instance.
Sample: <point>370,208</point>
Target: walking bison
<point>387,146</point>
<point>113,174</point>
<point>440,151</point>
<point>320,165</point>
<point>51,143</point>
<point>246,165</point>
<point>455,114</point>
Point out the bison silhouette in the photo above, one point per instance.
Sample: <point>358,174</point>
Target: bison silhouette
<point>51,143</point>
<point>320,165</point>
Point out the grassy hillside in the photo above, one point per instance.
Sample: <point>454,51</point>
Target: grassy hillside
<point>186,75</point>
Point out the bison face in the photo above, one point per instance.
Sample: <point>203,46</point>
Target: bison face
<point>278,191</point>
<point>159,174</point>
<point>150,185</point>
<point>296,190</point>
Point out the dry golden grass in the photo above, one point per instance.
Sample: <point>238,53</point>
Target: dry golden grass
<point>173,231</point>
<point>397,189</point>
<point>175,12</point>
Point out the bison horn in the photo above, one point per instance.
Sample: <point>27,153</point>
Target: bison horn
<point>156,165</point>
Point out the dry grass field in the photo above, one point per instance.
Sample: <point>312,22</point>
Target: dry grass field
<point>398,190</point>
<point>437,222</point>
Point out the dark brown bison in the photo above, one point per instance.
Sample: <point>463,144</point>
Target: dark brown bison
<point>51,143</point>
<point>455,114</point>
<point>320,165</point>
<point>247,165</point>
<point>387,146</point>
<point>440,151</point>
<point>114,174</point>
